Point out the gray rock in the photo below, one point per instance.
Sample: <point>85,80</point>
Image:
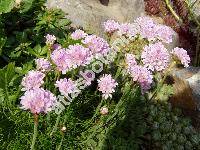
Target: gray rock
<point>90,14</point>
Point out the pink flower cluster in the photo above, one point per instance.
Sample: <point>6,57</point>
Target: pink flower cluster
<point>107,85</point>
<point>34,79</point>
<point>128,29</point>
<point>130,61</point>
<point>182,55</point>
<point>141,75</point>
<point>111,26</point>
<point>38,100</point>
<point>144,26</point>
<point>43,64</point>
<point>50,39</point>
<point>60,59</point>
<point>155,57</point>
<point>66,86</point>
<point>71,58</point>
<point>98,46</point>
<point>78,56</point>
<point>78,34</point>
<point>152,31</point>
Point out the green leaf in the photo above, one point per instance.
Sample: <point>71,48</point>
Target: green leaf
<point>1,96</point>
<point>165,92</point>
<point>6,76</point>
<point>6,6</point>
<point>38,51</point>
<point>2,43</point>
<point>26,67</point>
<point>26,5</point>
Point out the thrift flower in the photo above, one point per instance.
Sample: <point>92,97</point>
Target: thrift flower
<point>182,55</point>
<point>34,79</point>
<point>127,29</point>
<point>78,55</point>
<point>57,46</point>
<point>111,26</point>
<point>38,100</point>
<point>78,34</point>
<point>130,61</point>
<point>66,86</point>
<point>50,39</point>
<point>98,46</point>
<point>146,27</point>
<point>107,85</point>
<point>61,59</point>
<point>164,33</point>
<point>141,75</point>
<point>43,64</point>
<point>155,57</point>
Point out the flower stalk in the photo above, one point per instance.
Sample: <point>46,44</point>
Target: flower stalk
<point>36,116</point>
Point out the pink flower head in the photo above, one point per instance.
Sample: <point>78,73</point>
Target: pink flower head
<point>155,57</point>
<point>34,79</point>
<point>78,55</point>
<point>50,39</point>
<point>130,61</point>
<point>61,59</point>
<point>182,55</point>
<point>146,27</point>
<point>57,46</point>
<point>38,100</point>
<point>128,29</point>
<point>111,26</point>
<point>43,64</point>
<point>78,34</point>
<point>107,85</point>
<point>164,33</point>
<point>98,46</point>
<point>141,75</point>
<point>66,86</point>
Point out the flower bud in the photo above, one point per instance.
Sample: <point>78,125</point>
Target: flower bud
<point>104,111</point>
<point>63,129</point>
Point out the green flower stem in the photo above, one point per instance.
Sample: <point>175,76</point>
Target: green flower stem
<point>97,110</point>
<point>59,147</point>
<point>63,135</point>
<point>172,11</point>
<point>56,125</point>
<point>36,116</point>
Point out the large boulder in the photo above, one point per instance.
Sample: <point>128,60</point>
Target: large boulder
<point>187,91</point>
<point>90,14</point>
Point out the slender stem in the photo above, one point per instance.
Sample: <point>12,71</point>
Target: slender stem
<point>56,125</point>
<point>97,110</point>
<point>172,11</point>
<point>59,147</point>
<point>35,131</point>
